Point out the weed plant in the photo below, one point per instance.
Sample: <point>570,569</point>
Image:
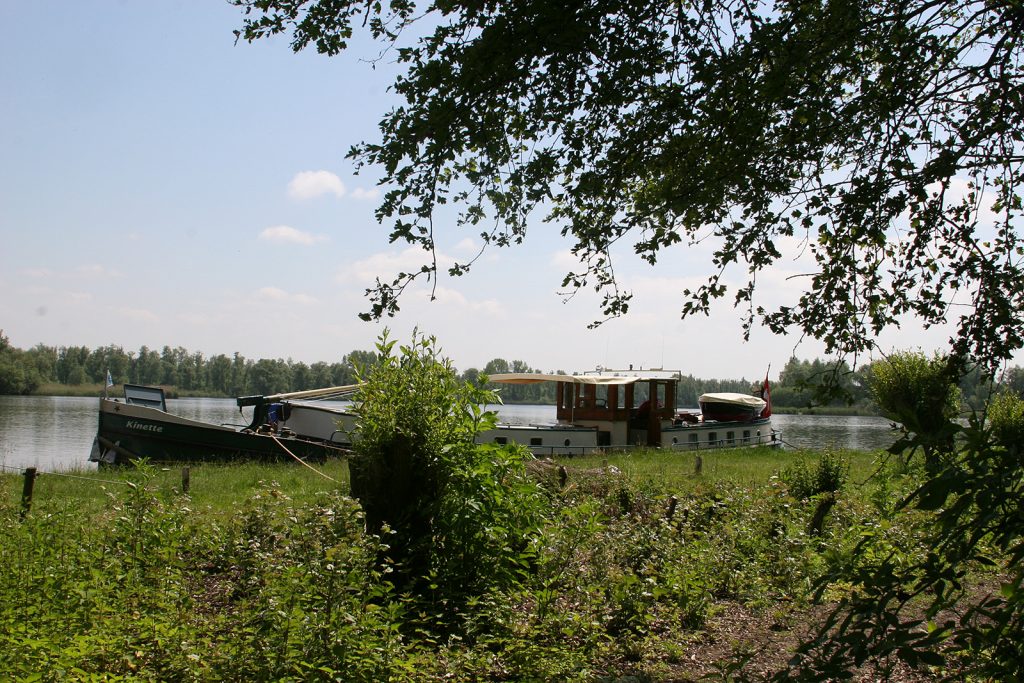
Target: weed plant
<point>826,478</point>
<point>267,573</point>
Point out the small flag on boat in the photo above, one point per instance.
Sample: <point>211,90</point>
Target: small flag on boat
<point>110,380</point>
<point>766,396</point>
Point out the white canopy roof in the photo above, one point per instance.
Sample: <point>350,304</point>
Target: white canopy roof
<point>734,399</point>
<point>535,378</point>
<point>608,378</point>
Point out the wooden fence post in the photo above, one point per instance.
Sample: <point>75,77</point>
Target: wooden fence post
<point>185,479</point>
<point>671,512</point>
<point>26,492</point>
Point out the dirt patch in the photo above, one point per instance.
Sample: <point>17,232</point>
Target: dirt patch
<point>750,645</point>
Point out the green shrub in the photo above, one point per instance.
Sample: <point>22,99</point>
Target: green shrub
<point>459,517</point>
<point>829,476</point>
<point>922,395</point>
<point>1006,418</point>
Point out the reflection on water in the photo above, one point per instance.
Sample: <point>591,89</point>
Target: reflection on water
<point>51,433</point>
<point>863,433</point>
<point>55,433</point>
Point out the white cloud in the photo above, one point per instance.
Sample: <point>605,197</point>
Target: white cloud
<point>139,314</point>
<point>386,265</point>
<point>277,294</point>
<point>312,184</point>
<point>193,318</point>
<point>564,260</point>
<point>96,270</point>
<point>273,293</point>
<point>288,235</point>
<point>37,272</point>
<point>467,246</point>
<point>363,193</point>
<point>456,300</point>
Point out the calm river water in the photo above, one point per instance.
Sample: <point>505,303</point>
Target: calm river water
<point>55,433</point>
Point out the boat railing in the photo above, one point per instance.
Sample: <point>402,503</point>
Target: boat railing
<point>772,439</point>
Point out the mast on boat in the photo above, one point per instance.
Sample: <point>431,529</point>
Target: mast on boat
<point>325,393</point>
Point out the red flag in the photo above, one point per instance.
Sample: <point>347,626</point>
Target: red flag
<point>766,396</point>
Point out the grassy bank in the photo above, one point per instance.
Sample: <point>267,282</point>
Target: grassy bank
<point>264,572</point>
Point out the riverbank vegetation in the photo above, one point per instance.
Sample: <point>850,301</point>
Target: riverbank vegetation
<point>266,572</point>
<point>425,556</point>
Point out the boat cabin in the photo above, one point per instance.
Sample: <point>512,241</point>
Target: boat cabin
<point>622,406</point>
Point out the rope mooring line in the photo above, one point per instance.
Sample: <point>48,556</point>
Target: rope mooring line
<point>63,474</point>
<point>300,460</point>
<point>76,476</point>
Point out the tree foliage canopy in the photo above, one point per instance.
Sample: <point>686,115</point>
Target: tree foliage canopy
<point>881,142</point>
<point>884,139</point>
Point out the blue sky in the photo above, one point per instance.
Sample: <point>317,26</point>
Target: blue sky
<point>162,185</point>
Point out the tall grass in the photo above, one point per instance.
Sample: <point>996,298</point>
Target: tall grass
<point>265,572</point>
<point>213,488</point>
<point>741,466</point>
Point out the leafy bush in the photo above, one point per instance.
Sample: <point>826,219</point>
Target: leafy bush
<point>1006,418</point>
<point>829,476</point>
<point>923,396</point>
<point>458,517</point>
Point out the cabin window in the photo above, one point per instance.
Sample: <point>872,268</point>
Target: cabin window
<point>567,442</point>
<point>730,437</point>
<point>712,437</point>
<point>501,440</point>
<point>674,441</point>
<point>536,441</point>
<point>694,438</point>
<point>661,395</point>
<point>746,436</point>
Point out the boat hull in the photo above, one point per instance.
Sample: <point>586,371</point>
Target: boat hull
<point>129,432</point>
<point>322,423</point>
<point>546,440</point>
<point>555,440</point>
<point>721,434</point>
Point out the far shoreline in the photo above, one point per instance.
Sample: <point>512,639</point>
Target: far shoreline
<point>95,390</point>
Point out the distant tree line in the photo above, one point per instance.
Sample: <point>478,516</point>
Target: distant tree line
<point>805,384</point>
<point>24,371</point>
